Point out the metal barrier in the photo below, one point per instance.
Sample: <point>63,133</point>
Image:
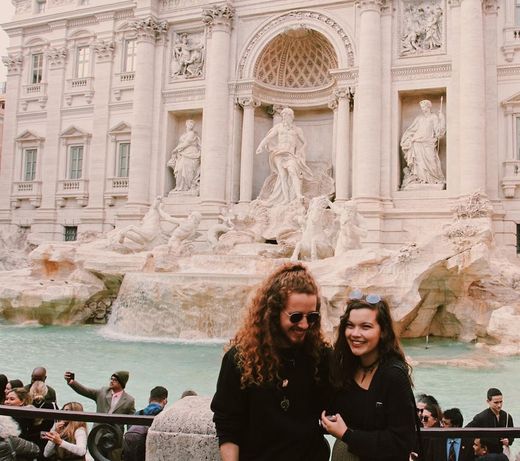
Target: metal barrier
<point>103,440</point>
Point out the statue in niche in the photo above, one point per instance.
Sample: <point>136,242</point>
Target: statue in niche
<point>185,160</point>
<point>286,146</point>
<point>420,145</point>
<point>421,27</point>
<point>187,58</point>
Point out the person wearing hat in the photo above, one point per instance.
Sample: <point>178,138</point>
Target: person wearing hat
<point>111,399</point>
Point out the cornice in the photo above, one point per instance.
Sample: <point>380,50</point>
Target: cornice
<point>421,71</point>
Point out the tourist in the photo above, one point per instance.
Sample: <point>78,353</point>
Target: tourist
<point>3,384</point>
<point>268,397</point>
<point>67,440</point>
<point>429,410</point>
<point>451,448</point>
<point>19,397</point>
<point>188,393</point>
<point>38,392</point>
<point>13,447</point>
<point>373,413</point>
<point>111,399</point>
<point>494,416</point>
<point>40,374</point>
<point>488,450</point>
<point>134,440</point>
<point>12,384</point>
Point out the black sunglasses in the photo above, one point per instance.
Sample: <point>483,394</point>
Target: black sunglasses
<point>297,317</point>
<point>425,419</point>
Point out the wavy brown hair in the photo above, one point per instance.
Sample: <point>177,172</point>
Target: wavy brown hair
<point>69,427</point>
<point>345,363</point>
<point>260,338</point>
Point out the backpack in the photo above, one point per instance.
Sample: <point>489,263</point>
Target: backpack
<point>134,443</point>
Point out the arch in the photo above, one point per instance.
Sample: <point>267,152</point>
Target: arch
<point>36,41</point>
<point>309,19</point>
<point>81,34</point>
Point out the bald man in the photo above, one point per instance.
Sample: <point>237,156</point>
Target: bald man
<point>40,374</point>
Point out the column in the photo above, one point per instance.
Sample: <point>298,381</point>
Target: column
<point>248,148</point>
<point>472,129</point>
<point>342,142</point>
<point>215,122</point>
<point>14,64</point>
<point>148,30</point>
<point>367,112</point>
<point>104,50</point>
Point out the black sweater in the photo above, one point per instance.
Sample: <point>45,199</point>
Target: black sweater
<point>381,420</point>
<point>253,418</point>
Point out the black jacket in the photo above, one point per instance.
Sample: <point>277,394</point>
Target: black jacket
<point>23,449</point>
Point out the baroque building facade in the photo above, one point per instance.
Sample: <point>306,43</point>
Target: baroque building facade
<point>407,105</point>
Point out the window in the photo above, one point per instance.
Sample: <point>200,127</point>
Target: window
<point>36,67</point>
<point>123,162</point>
<point>129,56</point>
<point>71,233</point>
<point>83,62</point>
<point>518,239</point>
<point>75,162</point>
<point>517,12</point>
<point>40,6</point>
<point>29,164</point>
<point>517,153</point>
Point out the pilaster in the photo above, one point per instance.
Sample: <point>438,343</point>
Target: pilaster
<point>249,104</point>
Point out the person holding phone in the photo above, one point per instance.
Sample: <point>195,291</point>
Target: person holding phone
<point>67,440</point>
<point>374,415</point>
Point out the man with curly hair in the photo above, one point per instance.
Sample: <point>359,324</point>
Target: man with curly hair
<point>271,387</point>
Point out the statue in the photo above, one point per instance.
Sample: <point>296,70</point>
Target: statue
<point>315,242</point>
<point>286,146</point>
<point>420,145</point>
<point>185,160</point>
<point>421,27</point>
<point>147,233</point>
<point>350,232</point>
<point>180,242</point>
<point>188,59</point>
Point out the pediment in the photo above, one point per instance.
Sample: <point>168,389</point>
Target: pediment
<point>120,128</point>
<point>513,100</point>
<point>29,136</point>
<point>74,132</point>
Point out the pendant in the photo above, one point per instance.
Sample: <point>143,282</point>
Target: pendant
<point>285,404</point>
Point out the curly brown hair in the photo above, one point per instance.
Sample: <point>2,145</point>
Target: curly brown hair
<point>260,338</point>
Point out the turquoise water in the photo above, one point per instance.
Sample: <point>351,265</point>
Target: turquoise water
<point>94,355</point>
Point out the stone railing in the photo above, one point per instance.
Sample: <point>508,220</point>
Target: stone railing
<point>511,179</point>
<point>26,188</point>
<point>511,36</point>
<point>80,84</point>
<point>126,77</point>
<point>34,90</point>
<point>72,188</point>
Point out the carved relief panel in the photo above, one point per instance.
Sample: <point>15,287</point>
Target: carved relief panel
<point>188,56</point>
<point>422,27</point>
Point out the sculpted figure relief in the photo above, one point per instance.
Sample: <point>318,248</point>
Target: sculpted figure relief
<point>182,238</point>
<point>422,26</point>
<point>420,145</point>
<point>187,58</point>
<point>286,146</point>
<point>185,160</point>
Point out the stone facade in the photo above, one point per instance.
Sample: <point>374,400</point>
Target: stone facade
<point>99,93</point>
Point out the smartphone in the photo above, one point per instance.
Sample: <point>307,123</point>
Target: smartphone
<point>71,376</point>
<point>42,434</point>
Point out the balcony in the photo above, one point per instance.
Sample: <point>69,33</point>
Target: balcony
<point>511,179</point>
<point>34,90</point>
<point>72,188</point>
<point>80,84</point>
<point>126,78</point>
<point>115,187</point>
<point>511,42</point>
<point>26,190</point>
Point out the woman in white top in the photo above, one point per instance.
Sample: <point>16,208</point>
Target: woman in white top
<point>67,440</point>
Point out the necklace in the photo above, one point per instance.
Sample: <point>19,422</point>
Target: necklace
<point>367,370</point>
<point>284,404</point>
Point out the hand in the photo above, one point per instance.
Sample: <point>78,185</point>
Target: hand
<point>54,437</point>
<point>505,442</point>
<point>334,426</point>
<point>59,426</point>
<point>69,376</point>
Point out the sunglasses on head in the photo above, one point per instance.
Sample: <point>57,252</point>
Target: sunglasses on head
<point>357,295</point>
<point>297,317</point>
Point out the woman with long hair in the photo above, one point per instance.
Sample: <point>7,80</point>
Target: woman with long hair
<point>67,439</point>
<point>374,408</point>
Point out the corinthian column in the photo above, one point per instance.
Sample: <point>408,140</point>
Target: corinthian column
<point>342,142</point>
<point>472,127</point>
<point>367,112</point>
<point>215,122</point>
<point>148,31</point>
<point>248,146</point>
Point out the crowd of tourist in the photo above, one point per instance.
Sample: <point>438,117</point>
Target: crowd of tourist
<point>280,389</point>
